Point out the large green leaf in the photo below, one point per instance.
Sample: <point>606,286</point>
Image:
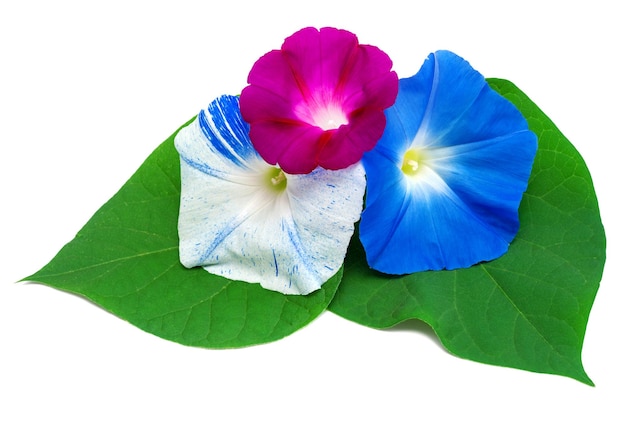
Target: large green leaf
<point>125,259</point>
<point>527,309</point>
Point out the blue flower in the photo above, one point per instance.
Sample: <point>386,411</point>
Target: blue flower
<point>445,181</point>
<point>247,220</point>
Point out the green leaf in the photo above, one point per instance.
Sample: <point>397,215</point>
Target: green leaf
<point>527,309</point>
<point>125,259</point>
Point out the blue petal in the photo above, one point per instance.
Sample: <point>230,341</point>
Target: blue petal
<point>426,226</point>
<point>461,209</point>
<point>490,177</point>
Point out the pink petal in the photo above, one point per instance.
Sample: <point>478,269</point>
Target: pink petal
<point>349,142</point>
<point>319,100</point>
<point>272,72</point>
<point>299,145</point>
<point>368,66</point>
<point>318,58</point>
<point>379,92</point>
<point>261,104</point>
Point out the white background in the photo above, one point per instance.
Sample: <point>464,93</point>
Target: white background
<point>89,89</point>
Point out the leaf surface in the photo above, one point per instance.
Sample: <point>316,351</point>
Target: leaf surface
<point>125,259</point>
<point>527,309</point>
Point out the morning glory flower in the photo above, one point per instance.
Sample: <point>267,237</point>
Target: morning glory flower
<point>445,181</point>
<point>318,101</point>
<point>246,220</point>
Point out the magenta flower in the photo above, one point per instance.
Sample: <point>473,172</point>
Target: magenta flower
<point>318,101</point>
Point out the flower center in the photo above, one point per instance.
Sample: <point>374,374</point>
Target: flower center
<point>412,162</point>
<point>275,179</point>
<point>329,117</point>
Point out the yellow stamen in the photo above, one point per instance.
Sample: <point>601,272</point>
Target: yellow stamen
<point>412,162</point>
<point>276,179</point>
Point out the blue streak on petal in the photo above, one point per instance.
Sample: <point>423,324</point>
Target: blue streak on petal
<point>217,240</point>
<point>239,217</point>
<point>275,262</point>
<point>217,143</point>
<point>226,130</point>
<point>204,168</point>
<point>294,239</point>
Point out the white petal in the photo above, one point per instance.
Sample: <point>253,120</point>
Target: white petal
<point>234,225</point>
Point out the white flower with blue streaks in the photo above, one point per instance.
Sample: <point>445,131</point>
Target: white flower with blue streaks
<point>247,220</point>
